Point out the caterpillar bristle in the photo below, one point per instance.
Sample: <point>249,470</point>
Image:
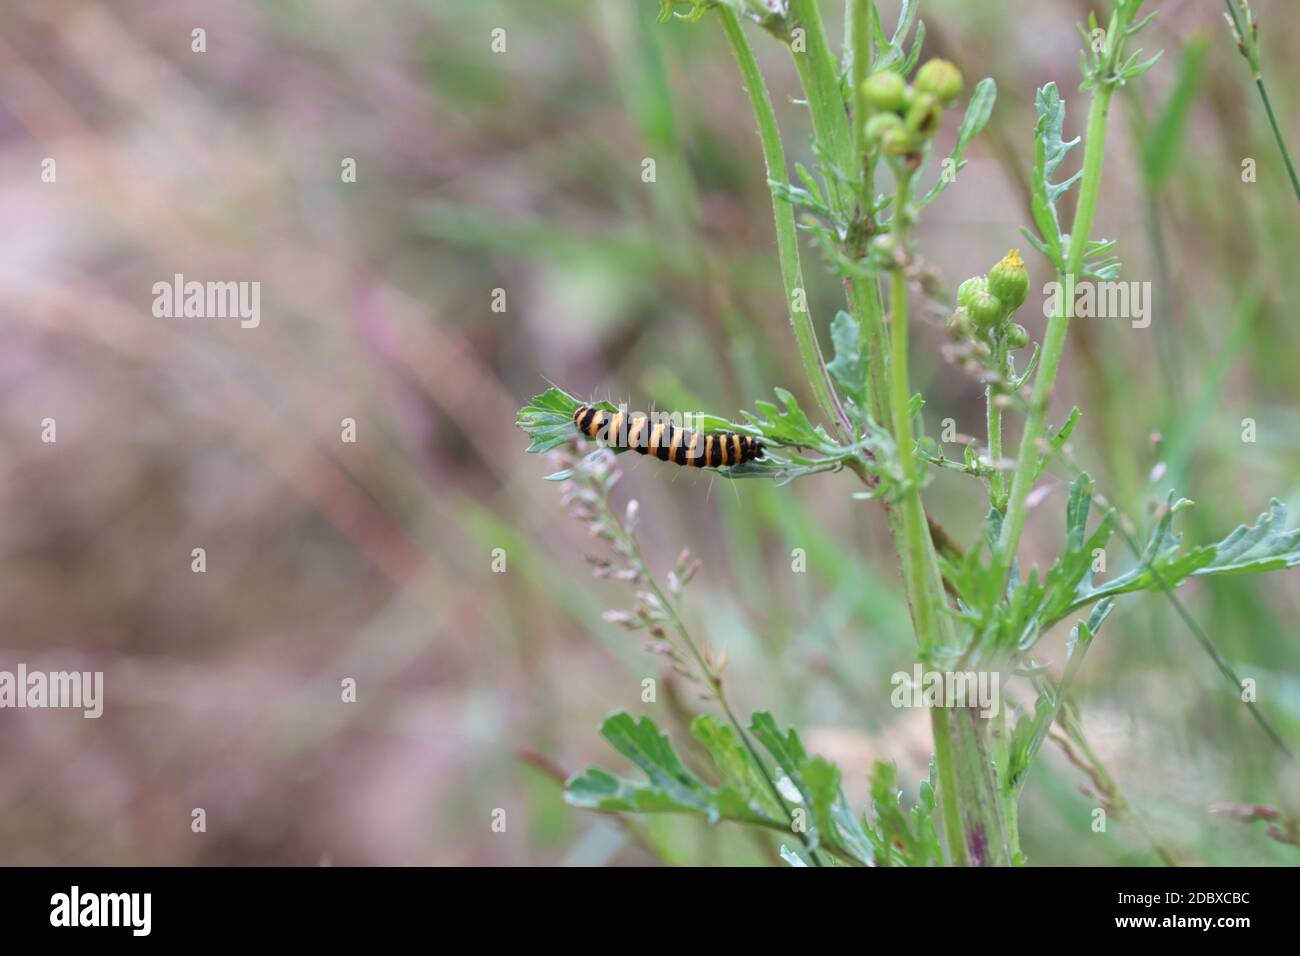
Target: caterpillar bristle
<point>665,440</point>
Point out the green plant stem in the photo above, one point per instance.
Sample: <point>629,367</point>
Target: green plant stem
<point>1007,794</point>
<point>993,415</point>
<point>985,803</point>
<point>1251,52</point>
<point>1026,470</point>
<point>787,240</point>
<point>1277,134</point>
<point>913,510</point>
<point>865,303</point>
<point>863,294</point>
<point>915,548</point>
<point>838,132</point>
<point>821,83</point>
<point>857,43</point>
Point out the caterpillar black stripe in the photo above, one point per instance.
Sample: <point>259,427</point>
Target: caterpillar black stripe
<point>664,440</point>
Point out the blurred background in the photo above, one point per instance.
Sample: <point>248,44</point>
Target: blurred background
<point>521,171</point>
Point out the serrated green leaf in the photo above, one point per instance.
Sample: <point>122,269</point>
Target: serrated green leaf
<point>786,426</point>
<point>736,764</point>
<point>1049,152</point>
<point>894,838</point>
<point>1265,546</point>
<point>745,794</point>
<point>670,787</point>
<point>548,419</point>
<point>835,821</point>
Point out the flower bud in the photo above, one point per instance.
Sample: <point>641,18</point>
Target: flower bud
<point>969,288</point>
<point>881,250</point>
<point>986,310</point>
<point>924,115</point>
<point>1017,336</point>
<point>878,126</point>
<point>898,141</point>
<point>883,91</point>
<point>1009,281</point>
<point>959,327</point>
<point>940,79</point>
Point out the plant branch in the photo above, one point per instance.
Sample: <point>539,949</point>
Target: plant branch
<point>787,239</point>
<point>1026,469</point>
<point>1248,43</point>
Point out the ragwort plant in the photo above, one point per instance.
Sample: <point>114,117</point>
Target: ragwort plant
<point>874,114</point>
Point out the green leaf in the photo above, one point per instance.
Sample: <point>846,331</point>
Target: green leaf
<point>735,763</point>
<point>849,367</point>
<point>1029,733</point>
<point>891,54</point>
<point>787,426</point>
<point>900,839</point>
<point>1049,152</point>
<point>670,787</point>
<point>548,419</point>
<point>836,823</point>
<point>1056,441</point>
<point>745,794</point>
<point>1265,546</point>
<point>818,784</point>
<point>978,111</point>
<point>794,859</point>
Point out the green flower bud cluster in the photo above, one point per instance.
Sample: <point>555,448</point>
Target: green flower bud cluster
<point>901,118</point>
<point>985,304</point>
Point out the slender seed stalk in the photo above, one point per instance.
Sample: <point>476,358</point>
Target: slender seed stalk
<point>1277,134</point>
<point>1250,50</point>
<point>707,671</point>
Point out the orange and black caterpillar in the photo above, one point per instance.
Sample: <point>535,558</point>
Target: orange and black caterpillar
<point>664,440</point>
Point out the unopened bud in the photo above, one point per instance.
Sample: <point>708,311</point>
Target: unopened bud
<point>1009,281</point>
<point>883,91</point>
<point>940,79</point>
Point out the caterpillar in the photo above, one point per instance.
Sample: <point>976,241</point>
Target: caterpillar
<point>664,440</point>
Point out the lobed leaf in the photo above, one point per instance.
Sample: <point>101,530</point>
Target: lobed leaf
<point>1049,152</point>
<point>744,795</point>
